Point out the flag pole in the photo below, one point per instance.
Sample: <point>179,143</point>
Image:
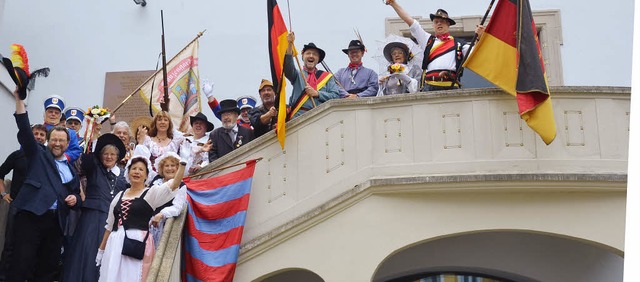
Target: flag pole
<point>304,77</point>
<point>473,43</point>
<point>165,101</point>
<point>154,74</point>
<point>326,67</point>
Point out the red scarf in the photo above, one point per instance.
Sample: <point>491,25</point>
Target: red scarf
<point>443,37</point>
<point>354,66</point>
<point>311,78</point>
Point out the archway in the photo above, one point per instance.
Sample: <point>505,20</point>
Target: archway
<point>506,256</point>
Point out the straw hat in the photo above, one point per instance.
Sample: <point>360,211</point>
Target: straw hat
<point>137,122</point>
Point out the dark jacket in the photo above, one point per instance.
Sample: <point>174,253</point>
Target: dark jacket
<point>43,185</point>
<point>17,162</point>
<point>222,144</point>
<point>98,194</point>
<point>259,128</point>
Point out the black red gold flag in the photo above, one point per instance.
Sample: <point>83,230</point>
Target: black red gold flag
<point>508,55</point>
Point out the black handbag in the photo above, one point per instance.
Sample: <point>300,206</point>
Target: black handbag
<point>134,248</point>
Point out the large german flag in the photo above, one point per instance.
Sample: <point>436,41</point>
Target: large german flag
<point>508,55</point>
<point>277,47</point>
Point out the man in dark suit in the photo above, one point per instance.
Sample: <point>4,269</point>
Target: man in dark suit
<point>222,137</point>
<point>49,191</point>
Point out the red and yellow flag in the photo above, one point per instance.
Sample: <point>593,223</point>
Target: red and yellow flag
<point>278,45</point>
<point>508,55</point>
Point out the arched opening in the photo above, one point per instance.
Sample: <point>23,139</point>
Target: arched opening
<point>502,256</point>
<point>291,275</point>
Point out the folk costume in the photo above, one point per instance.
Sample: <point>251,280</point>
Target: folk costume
<point>320,80</point>
<point>355,78</point>
<point>132,215</point>
<point>399,78</point>
<point>172,208</point>
<point>102,185</point>
<point>442,53</point>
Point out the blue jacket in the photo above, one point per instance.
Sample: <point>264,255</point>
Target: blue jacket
<point>328,92</point>
<point>43,185</point>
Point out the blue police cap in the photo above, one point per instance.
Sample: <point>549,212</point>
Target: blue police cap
<point>246,102</point>
<point>54,101</point>
<point>74,113</point>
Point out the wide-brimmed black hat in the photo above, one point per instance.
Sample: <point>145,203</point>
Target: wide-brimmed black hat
<point>111,139</point>
<point>313,46</point>
<point>443,15</point>
<point>202,117</point>
<point>229,105</point>
<point>387,50</point>
<point>354,45</point>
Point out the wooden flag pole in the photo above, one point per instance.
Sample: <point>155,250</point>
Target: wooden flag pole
<point>473,43</point>
<point>165,101</point>
<point>304,77</point>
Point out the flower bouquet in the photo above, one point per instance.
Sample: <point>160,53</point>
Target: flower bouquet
<point>396,68</point>
<point>91,127</point>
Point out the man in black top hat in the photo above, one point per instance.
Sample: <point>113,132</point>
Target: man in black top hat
<point>445,51</point>
<point>313,87</point>
<point>230,136</point>
<point>356,80</point>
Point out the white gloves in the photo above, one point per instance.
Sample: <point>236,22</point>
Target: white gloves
<point>99,257</point>
<point>207,88</point>
<point>404,78</point>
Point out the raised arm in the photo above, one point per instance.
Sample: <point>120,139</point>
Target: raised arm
<point>179,175</point>
<point>400,11</point>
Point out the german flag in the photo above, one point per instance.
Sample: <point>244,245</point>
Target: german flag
<point>508,55</point>
<point>277,47</point>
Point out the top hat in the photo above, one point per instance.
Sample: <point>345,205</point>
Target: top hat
<point>246,102</point>
<point>228,105</point>
<point>354,45</point>
<point>54,101</point>
<point>74,113</point>
<point>313,46</point>
<point>387,50</point>
<point>443,15</point>
<point>110,139</point>
<point>264,83</point>
<point>202,117</point>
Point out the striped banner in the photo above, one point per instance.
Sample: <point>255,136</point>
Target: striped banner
<point>216,212</point>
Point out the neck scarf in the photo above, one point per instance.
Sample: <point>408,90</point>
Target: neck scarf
<point>354,66</point>
<point>311,78</point>
<point>444,37</point>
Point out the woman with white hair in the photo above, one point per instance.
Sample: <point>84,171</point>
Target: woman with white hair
<point>167,166</point>
<point>123,131</point>
<point>126,251</point>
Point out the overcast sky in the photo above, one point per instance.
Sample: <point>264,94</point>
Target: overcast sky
<point>82,40</point>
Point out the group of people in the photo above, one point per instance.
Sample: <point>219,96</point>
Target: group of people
<point>72,211</point>
<point>100,210</point>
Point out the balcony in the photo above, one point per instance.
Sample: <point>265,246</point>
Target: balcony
<point>467,142</point>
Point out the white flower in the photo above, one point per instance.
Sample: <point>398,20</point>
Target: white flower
<point>95,112</point>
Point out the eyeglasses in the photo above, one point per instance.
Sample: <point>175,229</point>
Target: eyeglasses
<point>57,140</point>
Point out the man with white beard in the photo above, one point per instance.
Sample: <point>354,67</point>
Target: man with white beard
<point>230,136</point>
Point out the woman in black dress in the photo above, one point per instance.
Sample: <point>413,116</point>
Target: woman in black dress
<point>104,180</point>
